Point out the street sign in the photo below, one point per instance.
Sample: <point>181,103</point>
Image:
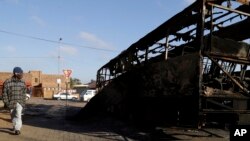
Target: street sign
<point>67,73</point>
<point>58,81</point>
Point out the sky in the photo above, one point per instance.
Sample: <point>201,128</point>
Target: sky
<point>86,34</point>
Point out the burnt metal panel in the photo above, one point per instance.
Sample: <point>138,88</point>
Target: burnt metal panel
<point>229,47</point>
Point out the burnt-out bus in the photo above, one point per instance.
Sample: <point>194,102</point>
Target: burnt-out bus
<point>192,69</point>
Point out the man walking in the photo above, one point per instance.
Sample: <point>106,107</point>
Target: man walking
<point>14,92</point>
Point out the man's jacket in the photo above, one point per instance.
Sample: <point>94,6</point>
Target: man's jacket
<point>14,90</point>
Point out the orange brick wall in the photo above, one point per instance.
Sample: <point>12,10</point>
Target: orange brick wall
<point>48,82</point>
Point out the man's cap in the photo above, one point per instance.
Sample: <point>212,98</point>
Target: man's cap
<point>17,70</point>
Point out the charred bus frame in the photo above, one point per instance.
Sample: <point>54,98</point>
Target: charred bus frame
<point>219,31</point>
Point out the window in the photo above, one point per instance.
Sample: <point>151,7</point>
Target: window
<point>36,80</point>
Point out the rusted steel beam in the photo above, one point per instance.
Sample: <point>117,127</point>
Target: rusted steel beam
<point>208,24</point>
<point>230,58</point>
<point>225,111</point>
<point>217,93</point>
<point>228,9</point>
<point>235,81</point>
<point>166,47</point>
<point>238,31</point>
<point>200,45</point>
<point>247,2</point>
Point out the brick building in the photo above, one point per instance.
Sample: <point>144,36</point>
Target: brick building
<point>41,85</point>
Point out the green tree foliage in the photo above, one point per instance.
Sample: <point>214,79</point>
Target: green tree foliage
<point>74,81</point>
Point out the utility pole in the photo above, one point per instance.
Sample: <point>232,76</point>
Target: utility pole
<point>59,60</point>
<point>59,54</point>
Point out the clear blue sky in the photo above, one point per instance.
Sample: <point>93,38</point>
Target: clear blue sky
<point>30,31</point>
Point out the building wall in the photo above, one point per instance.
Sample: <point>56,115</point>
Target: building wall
<point>27,77</point>
<point>43,85</point>
<point>36,77</point>
<point>6,75</point>
<point>50,85</point>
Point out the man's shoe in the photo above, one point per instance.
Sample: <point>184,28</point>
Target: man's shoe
<point>13,129</point>
<point>17,132</point>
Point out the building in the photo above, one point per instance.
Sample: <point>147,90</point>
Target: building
<point>39,84</point>
<point>80,88</point>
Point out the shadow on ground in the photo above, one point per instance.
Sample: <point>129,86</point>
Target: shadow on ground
<point>60,117</point>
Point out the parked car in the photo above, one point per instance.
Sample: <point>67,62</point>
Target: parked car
<point>64,96</point>
<point>87,95</point>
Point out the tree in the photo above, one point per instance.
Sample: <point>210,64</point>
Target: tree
<point>74,81</point>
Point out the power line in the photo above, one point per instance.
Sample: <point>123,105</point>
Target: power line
<point>52,41</point>
<point>26,57</point>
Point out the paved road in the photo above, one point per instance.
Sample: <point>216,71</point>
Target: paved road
<point>44,120</point>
